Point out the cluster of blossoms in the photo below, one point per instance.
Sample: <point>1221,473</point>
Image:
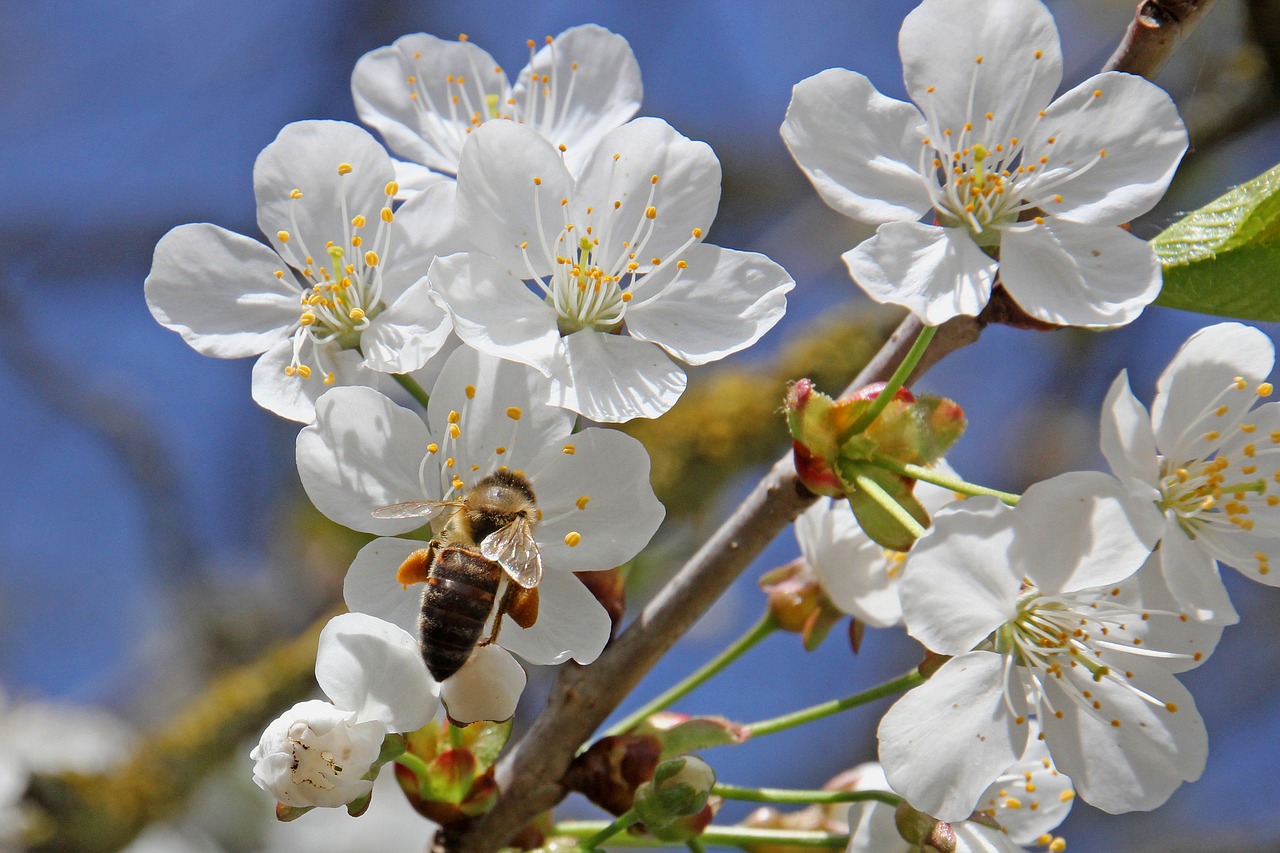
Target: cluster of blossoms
<point>538,255</point>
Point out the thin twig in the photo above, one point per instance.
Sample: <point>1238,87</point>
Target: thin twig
<point>1157,28</point>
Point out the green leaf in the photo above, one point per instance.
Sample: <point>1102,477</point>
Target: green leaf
<point>1224,258</point>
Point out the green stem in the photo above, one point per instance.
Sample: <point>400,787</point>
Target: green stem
<point>896,381</point>
<point>807,715</point>
<point>415,390</point>
<point>794,797</point>
<point>740,646</point>
<point>601,836</point>
<point>695,845</point>
<point>455,736</point>
<point>719,836</point>
<point>891,506</point>
<point>419,768</point>
<point>937,478</point>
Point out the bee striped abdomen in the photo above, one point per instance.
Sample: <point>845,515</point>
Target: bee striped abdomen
<point>456,604</point>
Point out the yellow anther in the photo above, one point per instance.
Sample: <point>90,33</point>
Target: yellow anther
<point>1250,450</point>
<point>654,179</point>
<point>454,417</point>
<point>358,221</point>
<point>537,182</point>
<point>282,236</point>
<point>1171,707</point>
<point>626,297</point>
<point>1057,845</point>
<point>289,370</point>
<point>344,168</point>
<point>499,450</point>
<point>458,484</point>
<point>391,189</point>
<point>1239,384</point>
<point>1221,410</point>
<point>1265,389</point>
<point>978,59</point>
<point>682,264</point>
<point>387,215</point>
<point>651,212</point>
<point>1039,54</point>
<point>1248,429</point>
<point>356,314</point>
<point>1212,435</point>
<point>572,538</point>
<point>514,412</point>
<point>330,378</point>
<point>581,503</point>
<point>569,450</point>
<point>304,371</point>
<point>308,318</point>
<point>371,258</point>
<point>454,430</point>
<point>1013,803</point>
<point>433,448</point>
<point>279,273</point>
<point>357,241</point>
<point>295,193</point>
<point>471,392</point>
<point>1058,199</point>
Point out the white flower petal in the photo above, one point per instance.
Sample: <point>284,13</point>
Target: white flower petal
<point>1137,764</point>
<point>872,829</point>
<point>623,167</point>
<point>373,668</point>
<point>370,585</point>
<point>597,497</point>
<point>962,59</point>
<point>429,128</point>
<point>571,624</point>
<point>958,585</point>
<point>295,757</point>
<point>488,687</point>
<point>1032,797</point>
<point>614,378</point>
<point>723,302</point>
<point>294,397</point>
<point>424,226</point>
<point>1135,122</point>
<point>218,289</point>
<point>1078,275</point>
<point>306,156</point>
<point>487,392</point>
<point>1073,532</point>
<point>1127,441</point>
<point>946,740</point>
<point>1205,366</point>
<point>402,338</point>
<point>860,148</point>
<point>1192,576</point>
<point>511,181</point>
<point>936,273</point>
<point>596,80</point>
<point>413,178</point>
<point>1175,644</point>
<point>859,576</point>
<point>493,310</point>
<point>362,452</point>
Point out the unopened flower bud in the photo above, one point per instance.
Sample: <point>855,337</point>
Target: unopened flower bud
<point>798,603</point>
<point>680,788</point>
<point>611,770</point>
<point>924,832</point>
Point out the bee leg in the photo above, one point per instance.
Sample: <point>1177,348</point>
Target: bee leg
<point>417,566</point>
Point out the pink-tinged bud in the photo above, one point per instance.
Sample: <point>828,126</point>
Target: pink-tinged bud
<point>609,772</point>
<point>868,393</point>
<point>681,733</point>
<point>815,473</point>
<point>459,783</point>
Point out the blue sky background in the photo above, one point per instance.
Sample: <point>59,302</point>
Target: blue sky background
<point>123,120</point>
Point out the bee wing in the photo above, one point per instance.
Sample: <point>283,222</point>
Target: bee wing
<point>514,548</point>
<point>428,510</point>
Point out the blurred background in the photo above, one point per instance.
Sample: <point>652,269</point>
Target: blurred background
<point>153,534</point>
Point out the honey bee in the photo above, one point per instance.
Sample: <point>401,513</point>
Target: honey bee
<point>489,533</point>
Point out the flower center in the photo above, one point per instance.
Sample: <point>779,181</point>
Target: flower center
<point>596,264</point>
<point>342,289</point>
<point>471,96</point>
<point>983,176</point>
<point>1227,490</point>
<point>312,765</point>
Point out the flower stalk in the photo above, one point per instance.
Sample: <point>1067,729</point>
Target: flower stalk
<point>826,709</point>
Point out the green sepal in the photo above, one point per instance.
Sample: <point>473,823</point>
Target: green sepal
<point>284,813</point>
<point>1224,258</point>
<point>915,433</point>
<point>452,773</point>
<point>359,805</point>
<point>690,734</point>
<point>877,522</point>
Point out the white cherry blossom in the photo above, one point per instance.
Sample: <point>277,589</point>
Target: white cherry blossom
<point>425,95</point>
<point>602,281</point>
<point>1006,181</point>
<point>1047,617</point>
<point>597,509</point>
<point>318,753</point>
<point>1204,467</point>
<point>339,295</point>
<point>860,577</point>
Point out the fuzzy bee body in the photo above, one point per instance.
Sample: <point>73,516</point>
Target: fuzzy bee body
<point>487,539</point>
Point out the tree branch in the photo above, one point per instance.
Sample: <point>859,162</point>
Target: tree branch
<point>1157,28</point>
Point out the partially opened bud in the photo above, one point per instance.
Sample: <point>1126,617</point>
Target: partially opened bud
<point>680,788</point>
<point>611,770</point>
<point>798,603</point>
